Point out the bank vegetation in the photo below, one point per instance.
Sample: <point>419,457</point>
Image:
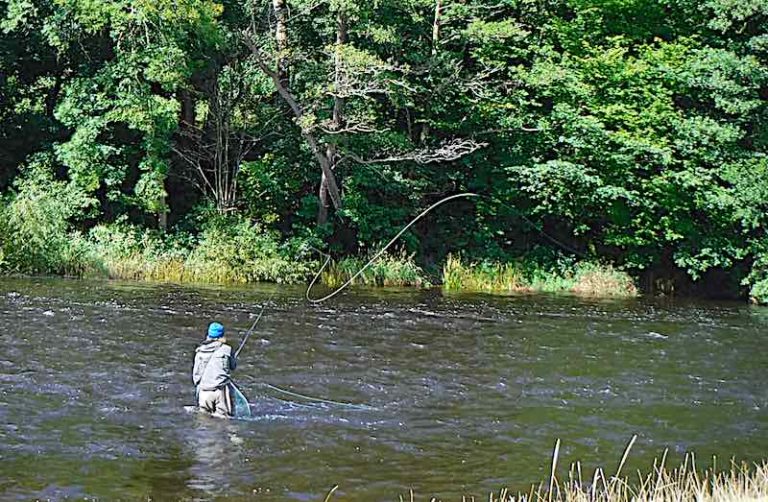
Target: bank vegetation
<point>234,141</point>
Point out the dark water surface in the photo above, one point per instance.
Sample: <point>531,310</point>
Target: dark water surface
<point>466,393</point>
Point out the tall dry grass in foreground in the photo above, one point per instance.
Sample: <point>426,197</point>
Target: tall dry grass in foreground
<point>685,483</point>
<point>681,484</point>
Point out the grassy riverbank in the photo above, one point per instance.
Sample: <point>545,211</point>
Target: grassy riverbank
<point>37,238</point>
<point>584,278</point>
<point>243,252</point>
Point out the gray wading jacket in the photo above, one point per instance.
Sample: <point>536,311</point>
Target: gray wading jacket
<point>213,367</point>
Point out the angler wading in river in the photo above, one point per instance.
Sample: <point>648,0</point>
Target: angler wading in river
<point>212,373</point>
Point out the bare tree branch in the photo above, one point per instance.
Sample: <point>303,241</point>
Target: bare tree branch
<point>215,151</point>
<point>450,151</point>
<point>328,127</point>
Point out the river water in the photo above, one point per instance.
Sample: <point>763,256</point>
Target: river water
<point>459,394</point>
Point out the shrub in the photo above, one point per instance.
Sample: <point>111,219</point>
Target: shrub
<point>36,224</point>
<point>229,249</point>
<point>127,252</point>
<point>758,293</point>
<point>233,249</point>
<point>594,279</point>
<point>483,276</point>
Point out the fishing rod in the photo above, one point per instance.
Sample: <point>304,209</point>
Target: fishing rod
<point>248,334</point>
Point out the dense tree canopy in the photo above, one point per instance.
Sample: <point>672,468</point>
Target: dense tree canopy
<point>630,131</point>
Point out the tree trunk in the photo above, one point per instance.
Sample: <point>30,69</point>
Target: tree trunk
<point>281,38</point>
<point>322,208</point>
<point>162,217</point>
<point>325,165</point>
<point>341,39</point>
<point>436,27</point>
<point>186,121</point>
<point>338,118</point>
<point>318,152</point>
<point>187,109</point>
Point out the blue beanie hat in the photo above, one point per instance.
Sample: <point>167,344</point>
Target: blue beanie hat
<point>215,330</point>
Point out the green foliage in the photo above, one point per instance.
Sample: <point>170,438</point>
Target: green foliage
<point>757,279</point>
<point>233,249</point>
<point>759,291</point>
<point>228,250</point>
<point>111,86</point>
<point>36,223</point>
<point>632,131</point>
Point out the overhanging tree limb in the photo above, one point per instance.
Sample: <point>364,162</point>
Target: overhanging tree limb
<point>447,152</point>
<point>298,112</point>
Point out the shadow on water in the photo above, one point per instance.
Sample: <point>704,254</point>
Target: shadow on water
<point>461,394</point>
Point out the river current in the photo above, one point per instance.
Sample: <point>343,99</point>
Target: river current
<point>454,394</point>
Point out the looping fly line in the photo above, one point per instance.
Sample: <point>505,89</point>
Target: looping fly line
<point>379,253</point>
<point>376,257</point>
<point>409,225</point>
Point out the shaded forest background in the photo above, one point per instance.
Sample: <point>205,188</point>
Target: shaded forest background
<point>247,135</point>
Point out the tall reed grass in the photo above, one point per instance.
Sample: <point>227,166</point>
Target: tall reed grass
<point>585,278</point>
<point>388,270</point>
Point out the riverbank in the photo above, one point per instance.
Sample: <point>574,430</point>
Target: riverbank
<point>247,253</point>
<point>36,238</point>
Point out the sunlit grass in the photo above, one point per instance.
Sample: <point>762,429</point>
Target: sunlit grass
<point>239,251</point>
<point>489,277</point>
<point>195,270</point>
<point>388,270</point>
<point>586,279</point>
<point>741,482</point>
